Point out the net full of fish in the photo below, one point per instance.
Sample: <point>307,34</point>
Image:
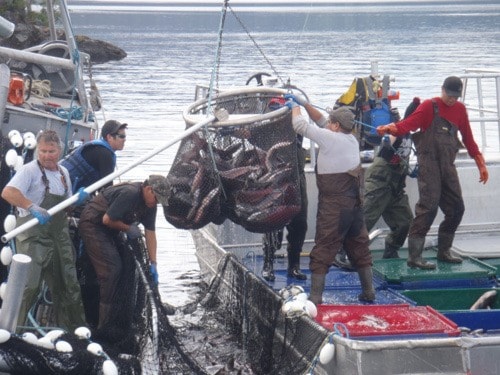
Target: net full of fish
<point>245,173</point>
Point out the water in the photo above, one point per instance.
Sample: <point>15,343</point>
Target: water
<point>319,48</point>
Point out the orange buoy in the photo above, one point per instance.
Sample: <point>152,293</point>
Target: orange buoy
<point>16,90</point>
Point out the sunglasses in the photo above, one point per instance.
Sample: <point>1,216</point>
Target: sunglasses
<point>122,136</point>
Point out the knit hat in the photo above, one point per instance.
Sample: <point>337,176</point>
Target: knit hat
<point>344,116</point>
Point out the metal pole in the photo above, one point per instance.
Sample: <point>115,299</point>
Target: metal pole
<point>18,277</point>
<point>96,185</point>
<point>4,91</point>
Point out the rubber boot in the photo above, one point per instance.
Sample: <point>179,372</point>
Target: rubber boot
<point>444,254</point>
<point>366,279</point>
<point>415,249</point>
<point>294,265</point>
<point>390,252</point>
<point>268,249</point>
<point>317,287</point>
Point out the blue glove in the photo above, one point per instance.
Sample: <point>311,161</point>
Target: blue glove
<point>154,272</point>
<point>39,213</point>
<point>300,100</point>
<point>386,141</point>
<point>83,196</point>
<point>291,104</point>
<point>133,232</point>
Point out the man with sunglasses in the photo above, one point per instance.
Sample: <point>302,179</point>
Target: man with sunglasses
<point>96,159</point>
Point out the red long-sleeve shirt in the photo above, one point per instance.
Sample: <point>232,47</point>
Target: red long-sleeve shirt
<point>456,114</point>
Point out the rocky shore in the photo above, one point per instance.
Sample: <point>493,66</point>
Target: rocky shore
<point>26,35</point>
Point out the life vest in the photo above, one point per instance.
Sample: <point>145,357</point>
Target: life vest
<point>81,173</point>
<point>369,100</point>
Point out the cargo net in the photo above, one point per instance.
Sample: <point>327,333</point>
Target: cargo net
<point>245,172</point>
<point>139,339</point>
<point>272,342</point>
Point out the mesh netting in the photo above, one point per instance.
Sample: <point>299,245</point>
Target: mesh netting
<point>245,171</point>
<point>273,343</point>
<point>139,338</point>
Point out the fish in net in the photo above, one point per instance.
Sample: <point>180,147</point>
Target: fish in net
<point>244,169</point>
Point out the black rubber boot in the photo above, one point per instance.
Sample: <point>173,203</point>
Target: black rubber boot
<point>366,279</point>
<point>317,287</point>
<point>390,252</point>
<point>415,249</point>
<point>268,248</point>
<point>294,265</point>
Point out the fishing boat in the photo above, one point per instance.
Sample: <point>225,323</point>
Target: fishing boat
<point>50,86</point>
<point>421,322</point>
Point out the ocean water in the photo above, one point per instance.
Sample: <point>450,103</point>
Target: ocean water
<point>318,48</point>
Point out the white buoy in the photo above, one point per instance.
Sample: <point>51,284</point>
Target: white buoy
<point>95,348</point>
<point>109,368</point>
<point>83,332</point>
<point>13,133</point>
<point>54,334</point>
<point>19,163</point>
<point>30,143</point>
<point>4,336</point>
<point>11,158</point>
<point>16,140</point>
<point>28,135</point>
<point>30,337</point>
<point>311,309</point>
<point>9,223</point>
<point>6,255</point>
<point>45,342</point>
<point>301,297</point>
<point>326,354</point>
<point>3,288</point>
<point>64,347</point>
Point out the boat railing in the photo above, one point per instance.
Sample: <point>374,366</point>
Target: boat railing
<point>481,96</point>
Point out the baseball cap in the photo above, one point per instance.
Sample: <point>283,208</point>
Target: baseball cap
<point>453,86</point>
<point>111,127</point>
<point>344,116</point>
<point>161,188</point>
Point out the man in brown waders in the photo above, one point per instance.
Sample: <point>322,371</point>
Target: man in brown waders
<point>439,119</point>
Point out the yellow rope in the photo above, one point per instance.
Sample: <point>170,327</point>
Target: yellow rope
<point>41,89</point>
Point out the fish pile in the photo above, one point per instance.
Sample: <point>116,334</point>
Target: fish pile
<point>237,173</point>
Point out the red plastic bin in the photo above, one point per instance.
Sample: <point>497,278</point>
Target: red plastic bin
<point>387,320</point>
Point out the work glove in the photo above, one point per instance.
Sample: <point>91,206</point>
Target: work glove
<point>39,213</point>
<point>299,99</point>
<point>133,232</point>
<point>291,104</point>
<point>154,272</point>
<point>387,129</point>
<point>386,141</point>
<point>83,196</point>
<point>483,172</point>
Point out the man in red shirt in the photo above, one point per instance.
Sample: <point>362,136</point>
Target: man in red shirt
<point>439,119</point>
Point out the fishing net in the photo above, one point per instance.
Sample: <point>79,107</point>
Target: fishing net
<point>243,168</point>
<point>138,340</point>
<point>272,342</point>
